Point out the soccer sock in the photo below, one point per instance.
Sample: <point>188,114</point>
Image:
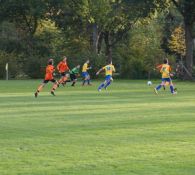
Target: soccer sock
<point>54,87</point>
<point>88,81</point>
<point>158,87</point>
<point>84,81</point>
<point>107,84</point>
<point>60,81</point>
<point>40,88</point>
<point>101,86</point>
<point>73,83</point>
<point>171,88</point>
<point>64,79</point>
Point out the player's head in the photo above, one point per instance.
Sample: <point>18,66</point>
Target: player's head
<point>50,61</point>
<point>109,62</point>
<point>64,58</point>
<point>78,66</point>
<point>165,60</point>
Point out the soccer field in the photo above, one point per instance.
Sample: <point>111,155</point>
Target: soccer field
<point>126,130</point>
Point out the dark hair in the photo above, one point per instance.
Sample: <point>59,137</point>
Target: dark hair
<point>165,61</point>
<point>50,61</point>
<point>109,62</point>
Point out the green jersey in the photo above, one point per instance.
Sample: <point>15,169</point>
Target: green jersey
<point>75,70</point>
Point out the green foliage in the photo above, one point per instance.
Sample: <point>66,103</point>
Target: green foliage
<point>14,62</point>
<point>177,41</point>
<point>37,30</point>
<point>143,50</point>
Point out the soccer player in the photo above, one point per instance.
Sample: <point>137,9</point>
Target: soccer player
<point>166,77</point>
<point>74,74</point>
<point>109,69</point>
<point>63,70</point>
<point>48,77</point>
<point>85,74</point>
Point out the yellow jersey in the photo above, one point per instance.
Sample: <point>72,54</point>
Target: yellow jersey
<point>85,67</point>
<point>165,71</point>
<point>109,69</point>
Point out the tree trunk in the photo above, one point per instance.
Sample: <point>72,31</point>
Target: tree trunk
<point>189,49</point>
<point>99,42</point>
<point>95,37</point>
<point>108,46</point>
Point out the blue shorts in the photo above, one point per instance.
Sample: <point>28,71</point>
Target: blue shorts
<point>166,79</point>
<point>85,74</point>
<point>108,77</point>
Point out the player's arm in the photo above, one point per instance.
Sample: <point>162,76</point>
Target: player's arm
<point>113,69</point>
<point>170,74</point>
<point>99,71</point>
<point>58,66</point>
<point>88,68</point>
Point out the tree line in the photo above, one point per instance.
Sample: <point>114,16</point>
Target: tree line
<point>134,34</point>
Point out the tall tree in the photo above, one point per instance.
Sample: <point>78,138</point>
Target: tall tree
<point>187,9</point>
<point>106,20</point>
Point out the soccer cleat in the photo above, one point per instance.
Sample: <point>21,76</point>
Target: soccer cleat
<point>36,94</point>
<point>164,87</point>
<point>155,91</point>
<point>99,90</point>
<point>175,89</point>
<point>52,93</point>
<point>174,93</point>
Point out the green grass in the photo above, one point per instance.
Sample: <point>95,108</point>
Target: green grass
<point>125,130</point>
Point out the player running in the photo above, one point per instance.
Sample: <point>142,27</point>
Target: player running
<point>85,74</point>
<point>48,77</point>
<point>74,74</point>
<point>109,69</point>
<point>63,69</point>
<point>166,77</point>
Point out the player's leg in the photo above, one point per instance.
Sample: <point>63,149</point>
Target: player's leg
<point>89,80</point>
<point>164,87</point>
<point>104,83</point>
<point>65,79</point>
<point>109,81</point>
<point>73,79</point>
<point>54,87</point>
<point>172,89</point>
<point>40,87</point>
<point>157,88</point>
<point>101,86</point>
<point>85,78</point>
<point>60,81</point>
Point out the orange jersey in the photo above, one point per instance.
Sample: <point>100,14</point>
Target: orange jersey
<point>49,72</point>
<point>62,67</point>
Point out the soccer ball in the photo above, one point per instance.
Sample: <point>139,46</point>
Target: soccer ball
<point>149,83</point>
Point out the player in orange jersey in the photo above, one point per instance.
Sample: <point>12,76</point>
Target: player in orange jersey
<point>48,77</point>
<point>63,70</point>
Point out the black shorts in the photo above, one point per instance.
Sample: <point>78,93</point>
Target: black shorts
<point>73,77</point>
<point>63,74</point>
<point>46,81</point>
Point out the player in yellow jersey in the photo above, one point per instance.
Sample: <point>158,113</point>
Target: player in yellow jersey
<point>109,69</point>
<point>166,77</point>
<point>85,74</point>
